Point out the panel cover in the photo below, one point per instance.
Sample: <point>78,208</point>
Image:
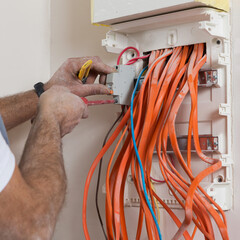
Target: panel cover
<point>114,11</point>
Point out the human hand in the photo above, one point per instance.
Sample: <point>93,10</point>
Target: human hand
<point>66,76</point>
<point>58,104</point>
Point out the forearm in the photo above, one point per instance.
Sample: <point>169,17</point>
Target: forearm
<point>18,108</point>
<point>30,203</point>
<point>42,163</point>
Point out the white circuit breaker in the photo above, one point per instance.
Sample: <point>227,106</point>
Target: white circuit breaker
<point>178,28</point>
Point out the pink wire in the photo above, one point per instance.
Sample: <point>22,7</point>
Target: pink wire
<point>158,181</point>
<point>132,61</point>
<point>100,102</point>
<point>97,102</point>
<point>124,50</point>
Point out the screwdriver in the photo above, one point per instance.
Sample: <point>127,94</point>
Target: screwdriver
<point>82,76</point>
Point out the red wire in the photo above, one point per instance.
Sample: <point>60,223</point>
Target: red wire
<point>100,102</point>
<point>124,50</point>
<point>132,61</point>
<point>97,102</point>
<point>158,181</point>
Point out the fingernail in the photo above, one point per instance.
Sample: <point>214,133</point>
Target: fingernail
<point>110,91</point>
<point>106,90</point>
<point>114,69</point>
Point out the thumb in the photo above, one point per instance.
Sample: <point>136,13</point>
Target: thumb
<point>91,89</point>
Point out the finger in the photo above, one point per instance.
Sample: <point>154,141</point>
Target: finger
<point>101,67</point>
<point>102,79</point>
<point>74,64</point>
<point>92,77</point>
<point>91,89</point>
<point>98,66</point>
<point>83,108</point>
<point>85,113</point>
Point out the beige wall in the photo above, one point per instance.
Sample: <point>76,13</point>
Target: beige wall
<point>26,57</point>
<point>24,52</point>
<point>73,35</point>
<point>234,216</point>
<point>25,44</point>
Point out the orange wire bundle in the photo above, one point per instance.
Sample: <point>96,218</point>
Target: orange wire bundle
<point>172,74</point>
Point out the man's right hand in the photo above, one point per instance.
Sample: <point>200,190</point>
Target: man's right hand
<point>60,105</point>
<point>67,76</point>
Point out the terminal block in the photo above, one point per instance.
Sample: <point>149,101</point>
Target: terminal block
<point>208,144</point>
<point>207,78</point>
<point>121,83</point>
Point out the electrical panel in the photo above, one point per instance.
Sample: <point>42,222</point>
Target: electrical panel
<point>187,27</point>
<point>115,11</point>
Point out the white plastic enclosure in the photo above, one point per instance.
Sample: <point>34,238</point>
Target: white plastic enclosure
<point>200,25</point>
<point>115,11</point>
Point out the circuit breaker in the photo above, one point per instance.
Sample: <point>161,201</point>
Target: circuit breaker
<point>168,24</point>
<point>122,84</point>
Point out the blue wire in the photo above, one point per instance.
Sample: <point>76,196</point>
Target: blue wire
<point>138,157</point>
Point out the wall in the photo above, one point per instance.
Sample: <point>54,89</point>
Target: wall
<point>235,214</point>
<point>72,36</point>
<point>24,52</point>
<point>26,57</point>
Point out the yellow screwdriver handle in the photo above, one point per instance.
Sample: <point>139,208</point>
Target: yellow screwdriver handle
<point>85,69</point>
